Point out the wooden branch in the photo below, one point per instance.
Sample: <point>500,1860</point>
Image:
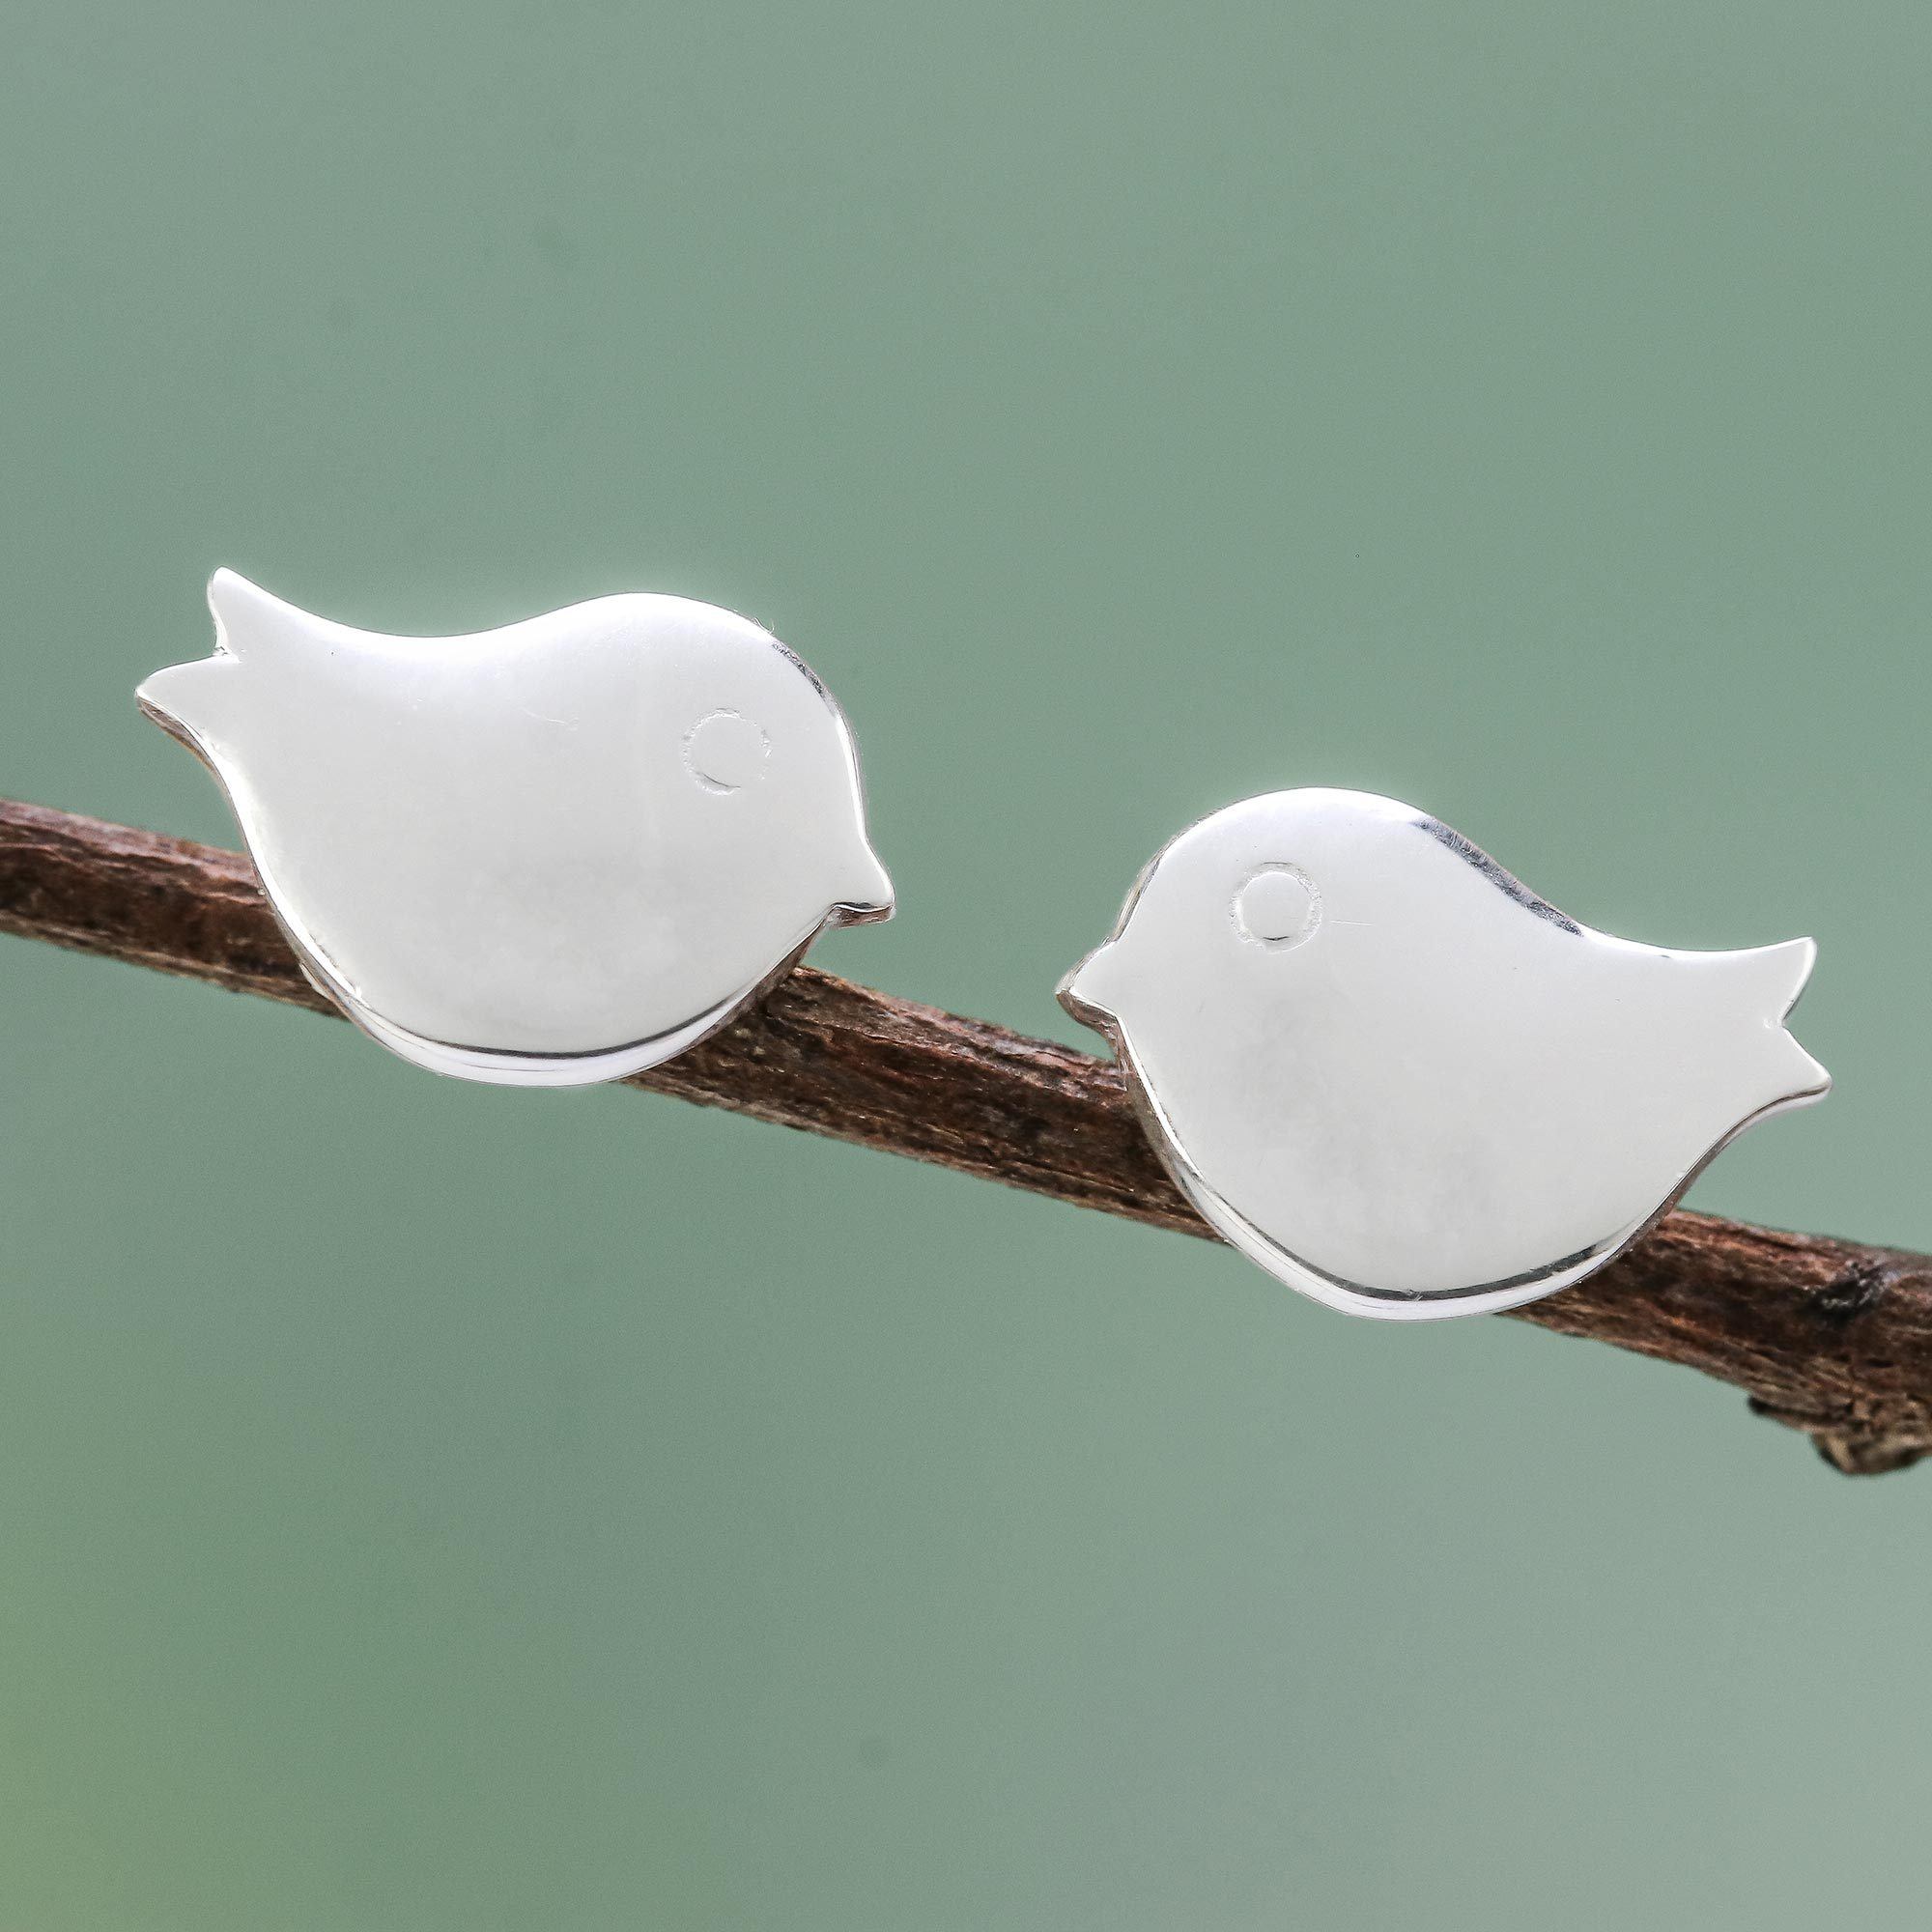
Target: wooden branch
<point>1828,1336</point>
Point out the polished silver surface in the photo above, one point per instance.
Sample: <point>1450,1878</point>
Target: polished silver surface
<point>1396,1079</point>
<point>546,855</point>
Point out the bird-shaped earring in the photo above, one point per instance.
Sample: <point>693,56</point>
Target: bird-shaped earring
<point>546,855</point>
<point>1385,1071</point>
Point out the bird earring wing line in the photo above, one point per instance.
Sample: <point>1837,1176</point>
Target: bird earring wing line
<point>1393,1077</point>
<point>546,855</point>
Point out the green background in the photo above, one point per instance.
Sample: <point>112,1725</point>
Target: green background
<point>425,1505</point>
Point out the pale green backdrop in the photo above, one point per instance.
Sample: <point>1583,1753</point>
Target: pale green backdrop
<point>425,1506</point>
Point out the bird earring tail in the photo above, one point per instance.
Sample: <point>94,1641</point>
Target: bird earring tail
<point>548,855</point>
<point>1385,1071</point>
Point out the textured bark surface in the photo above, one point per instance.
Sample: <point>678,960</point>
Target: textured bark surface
<point>1831,1337</point>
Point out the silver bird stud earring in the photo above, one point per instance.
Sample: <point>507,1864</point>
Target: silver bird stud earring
<point>1386,1071</point>
<point>546,855</point>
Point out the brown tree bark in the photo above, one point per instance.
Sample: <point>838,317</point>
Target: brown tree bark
<point>1830,1337</point>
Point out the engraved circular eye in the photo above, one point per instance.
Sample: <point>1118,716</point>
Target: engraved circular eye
<point>726,751</point>
<point>1277,906</point>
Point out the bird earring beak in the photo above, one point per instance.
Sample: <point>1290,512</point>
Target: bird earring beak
<point>1087,993</point>
<point>868,899</point>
